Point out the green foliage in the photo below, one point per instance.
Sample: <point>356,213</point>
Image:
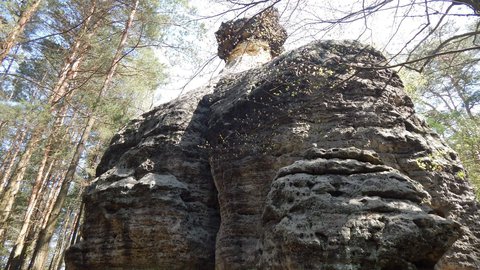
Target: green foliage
<point>34,69</point>
<point>9,12</point>
<point>447,94</point>
<point>430,163</point>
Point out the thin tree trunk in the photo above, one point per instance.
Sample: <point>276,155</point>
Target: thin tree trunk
<point>17,254</point>
<point>6,155</point>
<point>75,235</point>
<point>44,208</point>
<point>73,61</point>
<point>12,37</point>
<point>17,140</point>
<point>71,235</point>
<point>41,210</point>
<point>40,253</point>
<point>9,164</point>
<point>461,93</point>
<point>61,242</point>
<point>5,160</point>
<point>68,73</point>
<point>41,250</point>
<point>6,72</point>
<point>8,198</point>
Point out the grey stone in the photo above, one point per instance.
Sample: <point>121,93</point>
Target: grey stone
<point>153,205</point>
<point>264,26</point>
<point>239,186</point>
<point>317,219</point>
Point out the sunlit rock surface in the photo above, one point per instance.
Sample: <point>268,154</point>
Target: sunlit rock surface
<point>313,160</point>
<point>356,214</point>
<point>154,204</point>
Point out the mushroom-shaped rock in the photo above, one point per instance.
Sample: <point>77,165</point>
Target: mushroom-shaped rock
<point>226,178</point>
<point>262,32</point>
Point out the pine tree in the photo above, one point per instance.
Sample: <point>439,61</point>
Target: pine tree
<point>26,14</point>
<point>447,94</point>
<point>73,90</point>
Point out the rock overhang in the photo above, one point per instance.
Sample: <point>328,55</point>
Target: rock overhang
<point>250,35</point>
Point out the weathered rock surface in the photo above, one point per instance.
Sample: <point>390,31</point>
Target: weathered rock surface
<point>342,212</point>
<point>322,94</point>
<point>154,205</point>
<point>378,190</point>
<point>262,29</point>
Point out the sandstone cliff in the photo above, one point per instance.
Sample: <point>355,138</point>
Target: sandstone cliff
<point>314,160</point>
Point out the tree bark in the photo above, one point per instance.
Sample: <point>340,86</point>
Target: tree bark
<point>76,226</point>
<point>8,198</point>
<point>9,164</point>
<point>72,63</point>
<point>71,236</point>
<point>43,210</point>
<point>12,37</point>
<point>41,250</point>
<point>69,72</point>
<point>61,243</point>
<point>17,253</point>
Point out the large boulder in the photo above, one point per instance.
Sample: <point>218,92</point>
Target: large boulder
<point>314,160</point>
<point>154,204</point>
<point>337,210</point>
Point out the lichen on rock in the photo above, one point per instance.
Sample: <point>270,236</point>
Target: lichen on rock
<point>342,212</point>
<point>310,161</point>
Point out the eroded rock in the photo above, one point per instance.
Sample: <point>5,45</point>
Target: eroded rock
<point>386,193</point>
<point>355,219</point>
<point>154,204</point>
<point>262,30</point>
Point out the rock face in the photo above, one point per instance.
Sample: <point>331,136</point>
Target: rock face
<point>356,214</point>
<point>263,30</point>
<point>154,204</point>
<point>314,160</point>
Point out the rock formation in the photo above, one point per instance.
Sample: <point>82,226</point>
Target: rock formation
<point>314,160</point>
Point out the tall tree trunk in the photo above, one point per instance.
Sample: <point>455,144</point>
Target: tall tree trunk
<point>62,240</point>
<point>43,209</point>
<point>9,163</point>
<point>459,89</point>
<point>41,250</point>
<point>3,122</point>
<point>40,253</point>
<point>68,238</point>
<point>48,191</point>
<point>68,72</point>
<point>17,252</point>
<point>77,52</point>
<point>12,37</point>
<point>76,226</point>
<point>17,255</point>
<point>8,198</point>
